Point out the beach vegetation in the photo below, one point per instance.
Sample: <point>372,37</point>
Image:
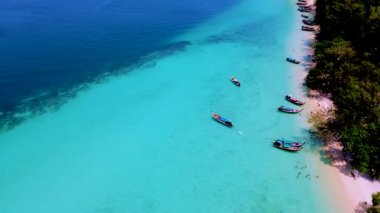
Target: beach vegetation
<point>376,199</point>
<point>348,67</point>
<point>375,208</point>
<point>321,125</point>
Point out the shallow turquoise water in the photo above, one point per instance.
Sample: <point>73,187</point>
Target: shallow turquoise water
<point>145,141</point>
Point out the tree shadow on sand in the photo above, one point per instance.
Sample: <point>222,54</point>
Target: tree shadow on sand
<point>331,155</point>
<point>361,207</point>
<point>323,156</point>
<point>308,60</point>
<point>313,144</point>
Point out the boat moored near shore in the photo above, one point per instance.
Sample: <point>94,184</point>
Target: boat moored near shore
<point>304,9</point>
<point>301,3</point>
<point>292,60</point>
<point>291,143</point>
<point>308,22</point>
<point>307,28</point>
<point>294,100</point>
<point>289,110</point>
<point>286,146</point>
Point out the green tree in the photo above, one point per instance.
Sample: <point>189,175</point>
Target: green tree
<point>375,208</point>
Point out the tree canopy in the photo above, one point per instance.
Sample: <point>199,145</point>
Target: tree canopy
<point>347,54</point>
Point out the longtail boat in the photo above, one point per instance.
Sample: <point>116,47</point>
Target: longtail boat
<point>221,120</point>
<point>292,60</point>
<point>307,22</point>
<point>294,100</point>
<point>305,6</point>
<point>307,28</point>
<point>291,143</point>
<point>304,9</point>
<point>285,146</point>
<point>289,110</point>
<point>235,81</point>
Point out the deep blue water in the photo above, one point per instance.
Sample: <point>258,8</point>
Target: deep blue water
<point>47,46</point>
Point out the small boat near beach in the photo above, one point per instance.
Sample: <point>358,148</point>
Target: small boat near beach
<point>289,110</point>
<point>304,9</point>
<point>235,81</point>
<point>286,146</point>
<point>294,100</point>
<point>304,16</point>
<point>221,120</point>
<point>308,22</point>
<point>291,143</point>
<point>301,3</point>
<point>307,28</point>
<point>292,60</point>
<point>309,7</point>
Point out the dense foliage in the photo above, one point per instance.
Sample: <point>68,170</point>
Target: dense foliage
<point>347,53</point>
<point>376,199</point>
<point>375,208</point>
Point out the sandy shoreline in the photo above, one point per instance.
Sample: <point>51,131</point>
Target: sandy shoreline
<point>352,186</point>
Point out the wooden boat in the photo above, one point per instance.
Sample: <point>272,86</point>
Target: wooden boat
<point>307,22</point>
<point>292,60</point>
<point>307,28</point>
<point>235,81</point>
<point>306,6</point>
<point>294,100</point>
<point>221,120</point>
<point>304,16</point>
<point>289,110</point>
<point>291,143</point>
<point>304,9</point>
<point>301,3</point>
<point>286,146</point>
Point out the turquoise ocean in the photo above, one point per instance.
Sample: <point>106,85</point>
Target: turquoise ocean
<point>142,139</point>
